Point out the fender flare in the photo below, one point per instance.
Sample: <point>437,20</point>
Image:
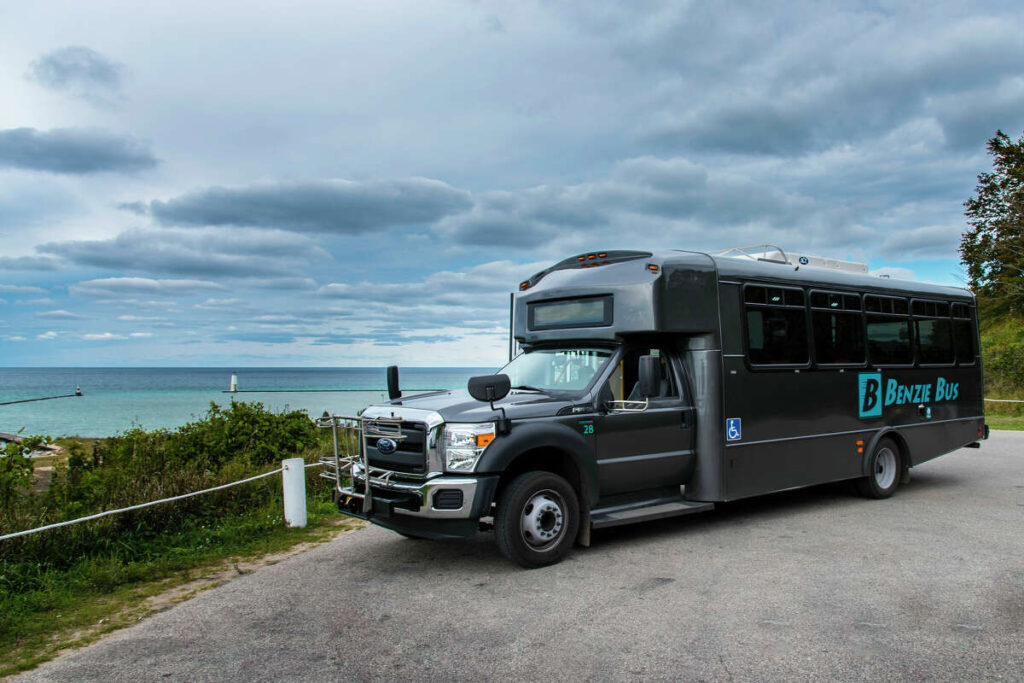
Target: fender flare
<point>529,436</point>
<point>892,432</point>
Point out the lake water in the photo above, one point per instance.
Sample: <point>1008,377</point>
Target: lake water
<point>115,399</point>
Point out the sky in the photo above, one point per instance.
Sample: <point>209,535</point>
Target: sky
<point>362,183</point>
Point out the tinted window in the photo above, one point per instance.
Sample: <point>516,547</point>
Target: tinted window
<point>889,340</point>
<point>962,311</point>
<point>838,337</point>
<point>876,304</point>
<point>835,301</point>
<point>885,304</point>
<point>777,336</point>
<point>963,335</point>
<point>934,341</point>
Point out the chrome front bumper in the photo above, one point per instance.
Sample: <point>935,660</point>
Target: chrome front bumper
<point>412,499</point>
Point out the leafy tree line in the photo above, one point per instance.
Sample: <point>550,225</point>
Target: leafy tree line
<point>992,251</point>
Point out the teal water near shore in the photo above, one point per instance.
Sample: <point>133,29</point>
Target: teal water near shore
<point>116,399</point>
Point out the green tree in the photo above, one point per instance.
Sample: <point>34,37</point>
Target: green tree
<point>992,249</point>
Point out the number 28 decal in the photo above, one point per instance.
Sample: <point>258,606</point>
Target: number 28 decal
<point>588,429</point>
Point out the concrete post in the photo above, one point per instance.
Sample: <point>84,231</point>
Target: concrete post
<point>294,477</point>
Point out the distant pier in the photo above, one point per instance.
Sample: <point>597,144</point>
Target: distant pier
<point>78,392</point>
<point>309,391</point>
<point>233,389</point>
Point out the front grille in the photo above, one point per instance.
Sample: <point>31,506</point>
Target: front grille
<point>410,457</point>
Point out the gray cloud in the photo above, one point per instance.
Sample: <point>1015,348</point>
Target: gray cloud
<point>73,151</point>
<point>475,298</point>
<point>760,82</point>
<point>28,263</point>
<point>926,242</point>
<point>204,253</point>
<point>80,71</point>
<point>644,197</point>
<point>322,206</point>
<point>138,208</point>
<point>485,282</point>
<point>119,287</point>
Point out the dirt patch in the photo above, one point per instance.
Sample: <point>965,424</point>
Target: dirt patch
<point>42,475</point>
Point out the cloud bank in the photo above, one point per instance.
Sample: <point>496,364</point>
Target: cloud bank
<point>74,151</point>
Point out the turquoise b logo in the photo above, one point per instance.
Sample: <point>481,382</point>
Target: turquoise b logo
<point>869,394</point>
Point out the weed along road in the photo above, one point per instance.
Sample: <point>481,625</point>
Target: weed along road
<point>812,584</point>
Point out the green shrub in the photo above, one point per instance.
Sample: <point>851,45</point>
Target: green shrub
<point>226,445</point>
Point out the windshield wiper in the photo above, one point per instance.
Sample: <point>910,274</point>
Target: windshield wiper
<point>527,387</point>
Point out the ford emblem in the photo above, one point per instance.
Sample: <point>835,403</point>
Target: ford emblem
<point>386,446</point>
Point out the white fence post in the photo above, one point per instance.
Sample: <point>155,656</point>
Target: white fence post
<point>293,473</point>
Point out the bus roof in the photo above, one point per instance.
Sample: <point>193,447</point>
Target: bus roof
<point>748,269</point>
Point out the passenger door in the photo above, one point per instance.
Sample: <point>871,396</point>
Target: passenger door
<point>647,448</point>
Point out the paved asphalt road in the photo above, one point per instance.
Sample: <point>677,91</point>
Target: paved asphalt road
<point>806,585</point>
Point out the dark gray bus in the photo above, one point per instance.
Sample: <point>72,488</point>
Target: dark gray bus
<point>650,385</point>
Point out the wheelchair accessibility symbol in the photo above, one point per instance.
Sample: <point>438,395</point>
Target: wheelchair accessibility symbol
<point>733,429</point>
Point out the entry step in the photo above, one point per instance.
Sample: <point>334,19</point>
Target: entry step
<point>658,509</point>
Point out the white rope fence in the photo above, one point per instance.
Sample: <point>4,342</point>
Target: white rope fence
<point>1004,400</point>
<point>107,513</point>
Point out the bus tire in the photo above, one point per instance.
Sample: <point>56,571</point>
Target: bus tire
<point>537,519</point>
<point>886,469</point>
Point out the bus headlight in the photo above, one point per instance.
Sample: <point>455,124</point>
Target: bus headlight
<point>463,444</point>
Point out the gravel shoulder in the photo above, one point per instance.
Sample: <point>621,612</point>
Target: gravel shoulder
<point>810,584</point>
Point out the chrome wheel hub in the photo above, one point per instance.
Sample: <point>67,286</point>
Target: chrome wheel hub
<point>885,468</point>
<point>543,520</point>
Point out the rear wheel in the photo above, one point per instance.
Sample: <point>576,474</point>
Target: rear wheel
<point>886,471</point>
<point>537,519</point>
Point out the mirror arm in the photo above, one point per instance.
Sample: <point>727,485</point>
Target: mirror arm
<point>503,425</point>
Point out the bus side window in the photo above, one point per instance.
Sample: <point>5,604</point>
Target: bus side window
<point>888,332</point>
<point>963,334</point>
<point>934,332</point>
<point>776,329</point>
<point>838,328</point>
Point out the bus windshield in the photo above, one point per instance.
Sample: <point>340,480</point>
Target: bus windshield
<point>556,370</point>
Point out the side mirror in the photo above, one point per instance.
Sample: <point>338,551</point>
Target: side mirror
<point>489,388</point>
<point>650,376</point>
<point>393,390</point>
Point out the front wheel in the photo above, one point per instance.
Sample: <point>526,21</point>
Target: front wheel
<point>537,519</point>
<point>886,471</point>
